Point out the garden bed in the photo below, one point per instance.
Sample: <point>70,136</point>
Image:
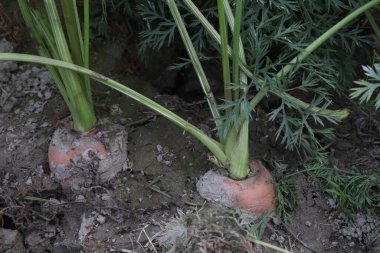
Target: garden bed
<point>131,212</point>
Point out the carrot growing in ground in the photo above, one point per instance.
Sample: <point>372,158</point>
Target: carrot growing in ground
<point>68,148</point>
<point>255,194</point>
<point>230,149</point>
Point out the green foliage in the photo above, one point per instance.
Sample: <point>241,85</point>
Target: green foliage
<point>298,127</point>
<point>272,34</point>
<point>287,198</point>
<point>160,27</point>
<point>354,191</point>
<point>271,29</point>
<point>368,88</point>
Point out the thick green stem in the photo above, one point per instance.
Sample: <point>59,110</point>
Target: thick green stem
<point>237,151</point>
<point>231,22</point>
<point>74,34</point>
<point>236,46</point>
<point>86,44</point>
<point>43,36</point>
<point>224,46</point>
<point>196,64</point>
<point>51,42</point>
<point>372,22</point>
<point>81,107</point>
<point>83,114</point>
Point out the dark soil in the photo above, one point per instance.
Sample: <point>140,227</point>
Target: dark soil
<point>126,214</point>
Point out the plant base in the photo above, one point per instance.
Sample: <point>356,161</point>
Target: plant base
<point>256,195</point>
<point>79,160</point>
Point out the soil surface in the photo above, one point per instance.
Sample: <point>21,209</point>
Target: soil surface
<point>135,211</point>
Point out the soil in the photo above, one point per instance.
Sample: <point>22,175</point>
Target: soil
<point>131,212</point>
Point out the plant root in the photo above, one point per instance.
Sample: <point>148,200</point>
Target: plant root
<point>79,160</point>
<point>255,195</point>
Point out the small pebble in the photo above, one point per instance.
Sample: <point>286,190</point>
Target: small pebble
<point>80,198</point>
<point>280,239</point>
<point>308,223</point>
<point>101,219</point>
<point>276,221</point>
<point>29,181</point>
<point>45,124</point>
<point>105,197</point>
<point>123,121</point>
